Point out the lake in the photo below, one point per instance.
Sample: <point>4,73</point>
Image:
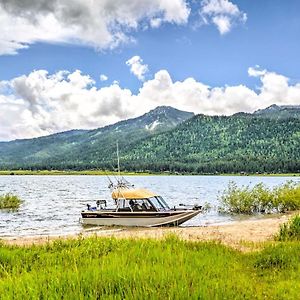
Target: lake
<point>52,204</point>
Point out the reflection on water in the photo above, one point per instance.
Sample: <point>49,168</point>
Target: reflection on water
<point>52,204</point>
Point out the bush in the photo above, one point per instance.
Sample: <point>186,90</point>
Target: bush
<point>260,199</point>
<point>9,201</point>
<point>290,231</point>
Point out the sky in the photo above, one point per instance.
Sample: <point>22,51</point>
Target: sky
<point>85,64</point>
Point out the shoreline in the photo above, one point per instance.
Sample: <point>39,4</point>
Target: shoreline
<point>245,235</point>
<point>109,173</point>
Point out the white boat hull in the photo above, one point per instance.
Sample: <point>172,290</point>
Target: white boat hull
<point>139,221</point>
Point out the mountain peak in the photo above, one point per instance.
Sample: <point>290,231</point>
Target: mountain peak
<point>164,117</point>
<point>156,120</point>
<point>279,111</point>
<point>165,109</point>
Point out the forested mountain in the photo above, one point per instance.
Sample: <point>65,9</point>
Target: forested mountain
<point>87,148</point>
<point>206,144</point>
<point>162,140</point>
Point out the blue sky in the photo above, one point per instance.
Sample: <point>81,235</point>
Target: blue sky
<point>187,41</point>
<point>270,38</point>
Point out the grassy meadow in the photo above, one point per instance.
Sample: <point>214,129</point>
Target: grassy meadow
<point>109,268</point>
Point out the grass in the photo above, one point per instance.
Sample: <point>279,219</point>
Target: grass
<point>9,201</point>
<point>107,268</point>
<point>260,199</point>
<point>290,231</point>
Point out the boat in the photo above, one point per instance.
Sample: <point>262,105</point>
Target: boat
<point>136,207</point>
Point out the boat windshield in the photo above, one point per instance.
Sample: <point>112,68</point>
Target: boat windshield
<point>159,203</point>
<point>162,200</point>
<point>134,205</point>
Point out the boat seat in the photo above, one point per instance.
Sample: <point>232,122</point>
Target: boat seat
<point>125,209</point>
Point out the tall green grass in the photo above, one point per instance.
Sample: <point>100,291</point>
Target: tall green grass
<point>9,201</point>
<point>260,198</point>
<point>290,231</point>
<point>107,268</point>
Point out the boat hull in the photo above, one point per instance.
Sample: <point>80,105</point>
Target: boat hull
<point>141,219</point>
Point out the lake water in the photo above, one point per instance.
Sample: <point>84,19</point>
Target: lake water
<point>52,204</point>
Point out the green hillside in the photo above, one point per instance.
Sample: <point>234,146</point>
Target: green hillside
<point>166,139</point>
<point>83,149</point>
<point>206,144</point>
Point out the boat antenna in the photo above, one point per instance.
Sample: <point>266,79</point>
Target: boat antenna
<point>111,184</point>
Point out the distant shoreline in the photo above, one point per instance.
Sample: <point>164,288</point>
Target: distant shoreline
<point>104,173</point>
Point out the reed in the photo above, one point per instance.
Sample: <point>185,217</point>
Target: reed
<point>260,199</point>
<point>107,268</point>
<point>290,231</point>
<point>9,201</point>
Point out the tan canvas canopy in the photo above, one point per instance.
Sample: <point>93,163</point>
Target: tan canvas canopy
<point>132,194</point>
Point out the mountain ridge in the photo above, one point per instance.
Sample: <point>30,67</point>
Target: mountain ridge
<point>275,111</point>
<point>80,142</point>
<point>156,111</point>
<point>169,139</point>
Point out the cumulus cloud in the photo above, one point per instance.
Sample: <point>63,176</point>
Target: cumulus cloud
<point>222,13</point>
<point>101,24</point>
<point>137,67</point>
<point>256,71</point>
<point>103,77</point>
<point>41,103</point>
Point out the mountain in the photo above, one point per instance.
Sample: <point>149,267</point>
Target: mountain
<point>279,112</point>
<point>87,148</point>
<point>166,139</point>
<point>209,144</point>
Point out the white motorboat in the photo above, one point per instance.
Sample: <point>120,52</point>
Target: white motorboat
<point>136,207</point>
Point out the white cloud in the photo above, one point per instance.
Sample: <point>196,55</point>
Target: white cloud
<point>103,77</point>
<point>223,13</point>
<point>223,23</point>
<point>41,103</point>
<point>256,71</point>
<point>155,23</point>
<point>100,24</point>
<point>137,67</point>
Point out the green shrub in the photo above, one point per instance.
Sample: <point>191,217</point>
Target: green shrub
<point>290,231</point>
<point>9,201</point>
<point>260,199</point>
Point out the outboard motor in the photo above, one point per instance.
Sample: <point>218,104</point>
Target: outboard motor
<point>197,207</point>
<point>91,208</point>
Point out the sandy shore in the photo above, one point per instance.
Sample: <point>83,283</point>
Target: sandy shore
<point>242,235</point>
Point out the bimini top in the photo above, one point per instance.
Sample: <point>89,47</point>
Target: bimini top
<point>125,193</point>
